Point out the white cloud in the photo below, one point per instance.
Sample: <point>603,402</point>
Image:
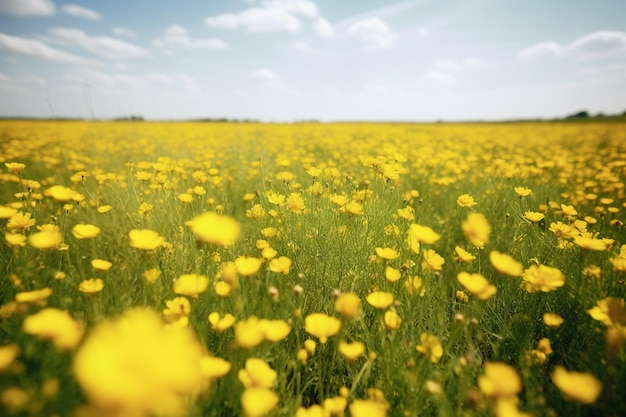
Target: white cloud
<point>298,7</point>
<point>540,50</point>
<point>447,65</point>
<point>324,28</point>
<point>377,88</point>
<point>437,77</point>
<point>27,7</point>
<point>38,49</point>
<point>599,43</point>
<point>160,78</point>
<point>302,47</point>
<point>374,33</point>
<point>269,78</point>
<point>422,32</point>
<point>103,46</point>
<point>256,20</point>
<point>79,11</point>
<point>176,35</point>
<point>119,31</point>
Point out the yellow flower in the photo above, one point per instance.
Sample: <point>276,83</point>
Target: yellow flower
<point>432,261</point>
<point>257,374</point>
<point>315,410</point>
<point>85,231</point>
<point>392,274</point>
<point>248,333</point>
<point>123,368</point>
<point>351,351</point>
<point>7,212</point>
<point>609,311</point>
<point>552,320</point>
<point>476,229</point>
<point>563,231</point>
<point>46,239</point>
<point>55,325</point>
<point>257,402</point>
<point>214,228</point>
<point>185,198</point>
<point>15,239</point>
<point>392,320</point>
<point>466,200</point>
<point>414,285</point>
<point>60,193</point>
<point>15,167</point>
<point>321,326</point>
<point>104,209</point>
<point>295,203</point>
<point>191,284</point>
<point>91,286</point>
<point>581,387</point>
<point>348,304</point>
<point>354,208</point>
<point>380,299</point>
<point>248,266</point>
<point>8,354</point>
<point>35,296</point>
<point>477,285</point>
<point>522,191</point>
<point>20,221</point>
<point>219,323</point>
<point>424,234</point>
<point>462,255</point>
<point>542,278</point>
<point>589,243</point>
<point>176,309</point>
<point>430,346</point>
<point>274,330</point>
<point>387,253</point>
<point>335,406</point>
<point>505,264</point>
<point>151,275</point>
<point>145,239</point>
<point>367,408</point>
<point>280,265</point>
<point>544,349</point>
<point>214,368</point>
<point>533,216</point>
<point>499,380</point>
<point>101,265</point>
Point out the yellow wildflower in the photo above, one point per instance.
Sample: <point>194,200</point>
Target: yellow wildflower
<point>351,351</point>
<point>145,239</point>
<point>321,326</point>
<point>55,325</point>
<point>581,387</point>
<point>430,346</point>
<point>505,264</point>
<point>214,228</point>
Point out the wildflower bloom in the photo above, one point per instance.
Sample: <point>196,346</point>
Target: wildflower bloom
<point>367,408</point>
<point>20,221</point>
<point>55,325</point>
<point>387,253</point>
<point>247,265</point>
<point>505,264</point>
<point>46,239</point>
<point>430,346</point>
<point>15,167</point>
<point>477,285</point>
<point>348,304</point>
<point>542,278</point>
<point>590,243</point>
<point>101,265</point>
<point>60,193</point>
<point>552,320</point>
<point>609,311</point>
<point>380,299</point>
<point>257,402</point>
<point>221,323</point>
<point>499,380</point>
<point>151,275</point>
<point>274,330</point>
<point>191,284</point>
<point>392,320</point>
<point>522,191</point>
<point>432,261</point>
<point>214,228</point>
<point>214,368</point>
<point>121,366</point>
<point>257,374</point>
<point>145,239</point>
<point>544,349</point>
<point>424,234</point>
<point>321,326</point>
<point>462,255</point>
<point>248,333</point>
<point>476,229</point>
<point>91,286</point>
<point>563,231</point>
<point>533,216</point>
<point>7,212</point>
<point>295,203</point>
<point>34,297</point>
<point>414,285</point>
<point>8,354</point>
<point>351,351</point>
<point>176,309</point>
<point>581,387</point>
<point>466,200</point>
<point>280,265</point>
<point>392,274</point>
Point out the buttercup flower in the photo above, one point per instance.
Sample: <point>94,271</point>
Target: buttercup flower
<point>432,261</point>
<point>247,265</point>
<point>430,346</point>
<point>499,380</point>
<point>476,229</point>
<point>462,255</point>
<point>477,285</point>
<point>191,284</point>
<point>145,239</point>
<point>552,320</point>
<point>424,234</point>
<point>522,191</point>
<point>321,326</point>
<point>55,325</point>
<point>542,278</point>
<point>609,311</point>
<point>91,286</point>
<point>380,299</point>
<point>392,320</point>
<point>581,387</point>
<point>220,323</point>
<point>257,374</point>
<point>505,264</point>
<point>466,200</point>
<point>85,231</point>
<point>101,265</point>
<point>348,304</point>
<point>387,253</point>
<point>46,239</point>
<point>257,402</point>
<point>351,351</point>
<point>214,228</point>
<point>20,221</point>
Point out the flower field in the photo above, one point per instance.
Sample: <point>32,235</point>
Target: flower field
<point>179,269</point>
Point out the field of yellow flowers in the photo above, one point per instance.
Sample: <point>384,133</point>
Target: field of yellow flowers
<point>360,270</point>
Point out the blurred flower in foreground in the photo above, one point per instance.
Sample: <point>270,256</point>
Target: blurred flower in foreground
<point>257,374</point>
<point>499,380</point>
<point>505,264</point>
<point>430,346</point>
<point>134,366</point>
<point>8,354</point>
<point>145,239</point>
<point>321,326</point>
<point>367,408</point>
<point>46,239</point>
<point>85,231</point>
<point>476,229</point>
<point>54,325</point>
<point>257,402</point>
<point>214,228</point>
<point>477,285</point>
<point>581,387</point>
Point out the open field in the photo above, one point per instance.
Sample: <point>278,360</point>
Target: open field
<point>175,269</point>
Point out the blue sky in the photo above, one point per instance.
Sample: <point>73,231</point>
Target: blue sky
<point>284,60</point>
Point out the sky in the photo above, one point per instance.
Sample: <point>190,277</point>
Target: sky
<point>327,60</point>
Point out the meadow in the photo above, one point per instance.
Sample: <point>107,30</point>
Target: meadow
<point>361,270</point>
